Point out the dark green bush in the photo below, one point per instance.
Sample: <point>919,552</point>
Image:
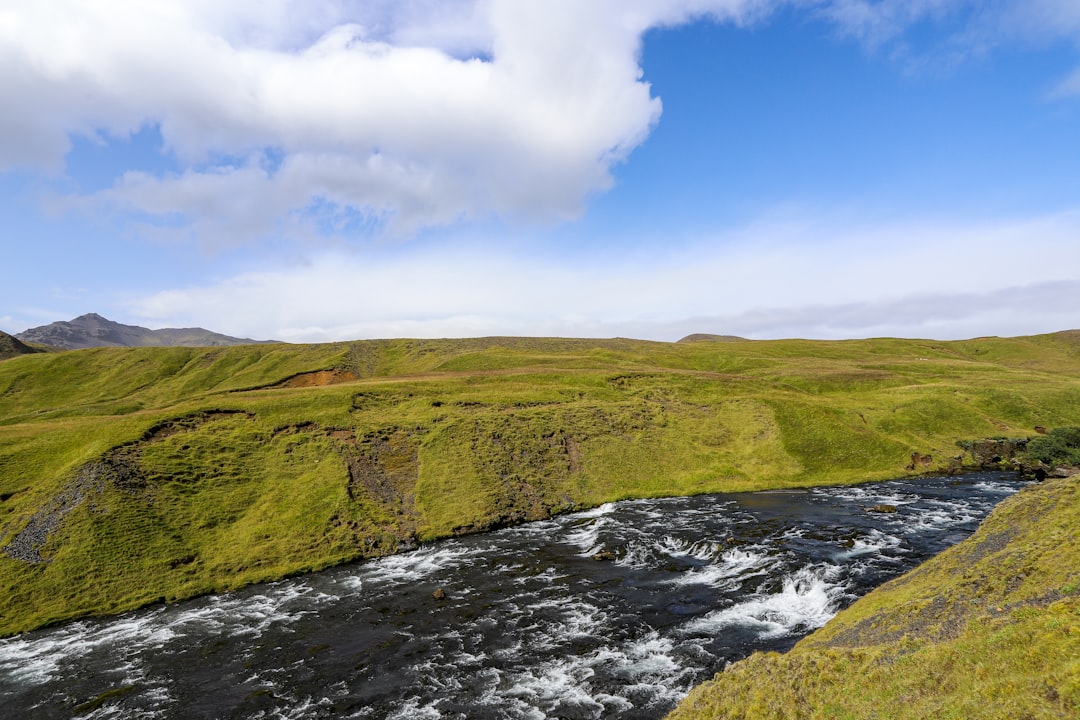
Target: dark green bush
<point>1061,446</point>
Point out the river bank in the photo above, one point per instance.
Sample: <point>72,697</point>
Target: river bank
<point>616,611</point>
<point>989,629</point>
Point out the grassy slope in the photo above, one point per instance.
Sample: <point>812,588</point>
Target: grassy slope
<point>211,475</point>
<point>989,629</point>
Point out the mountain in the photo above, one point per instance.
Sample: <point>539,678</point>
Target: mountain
<point>92,330</point>
<point>11,346</point>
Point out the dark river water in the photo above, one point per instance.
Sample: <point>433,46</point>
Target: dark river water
<point>532,624</point>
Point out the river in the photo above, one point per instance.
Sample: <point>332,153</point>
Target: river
<point>611,613</point>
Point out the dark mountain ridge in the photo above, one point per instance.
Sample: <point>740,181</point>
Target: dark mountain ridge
<point>10,346</point>
<point>93,330</point>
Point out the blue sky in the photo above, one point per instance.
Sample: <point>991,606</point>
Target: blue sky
<point>331,170</point>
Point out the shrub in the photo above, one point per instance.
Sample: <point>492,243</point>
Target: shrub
<point>1061,446</point>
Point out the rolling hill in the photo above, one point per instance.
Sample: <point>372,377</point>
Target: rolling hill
<point>131,475</point>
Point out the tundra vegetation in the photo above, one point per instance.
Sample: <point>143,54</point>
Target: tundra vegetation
<point>135,475</point>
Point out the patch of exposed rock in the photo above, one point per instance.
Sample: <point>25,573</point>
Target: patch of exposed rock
<point>89,481</point>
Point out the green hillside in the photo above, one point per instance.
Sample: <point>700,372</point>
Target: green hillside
<point>130,475</point>
<point>989,629</point>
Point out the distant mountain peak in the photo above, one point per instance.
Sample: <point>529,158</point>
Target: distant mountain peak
<point>93,330</point>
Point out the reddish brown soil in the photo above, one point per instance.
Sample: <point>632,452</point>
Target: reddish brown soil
<point>318,379</point>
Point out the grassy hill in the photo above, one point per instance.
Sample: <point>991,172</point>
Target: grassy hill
<point>989,629</point>
<point>130,475</point>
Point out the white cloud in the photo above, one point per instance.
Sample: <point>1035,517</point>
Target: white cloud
<point>410,133</point>
<point>1009,311</point>
<point>975,27</point>
<point>811,279</point>
<point>1068,86</point>
<point>883,20</point>
<point>411,113</point>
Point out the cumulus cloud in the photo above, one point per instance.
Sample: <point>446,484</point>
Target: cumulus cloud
<point>810,279</point>
<point>413,113</point>
<point>408,113</point>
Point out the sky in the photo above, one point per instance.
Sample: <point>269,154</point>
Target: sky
<point>332,170</point>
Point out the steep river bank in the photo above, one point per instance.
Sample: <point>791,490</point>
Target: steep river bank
<point>614,612</point>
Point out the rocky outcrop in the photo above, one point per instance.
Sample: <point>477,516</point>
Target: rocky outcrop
<point>993,453</point>
<point>1012,454</point>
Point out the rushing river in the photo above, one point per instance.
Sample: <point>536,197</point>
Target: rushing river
<point>614,612</point>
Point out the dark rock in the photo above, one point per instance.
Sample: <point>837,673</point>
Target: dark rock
<point>993,453</point>
<point>918,460</point>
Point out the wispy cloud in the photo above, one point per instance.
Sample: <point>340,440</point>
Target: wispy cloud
<point>967,28</point>
<point>1069,86</point>
<point>1009,311</point>
<point>812,279</point>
